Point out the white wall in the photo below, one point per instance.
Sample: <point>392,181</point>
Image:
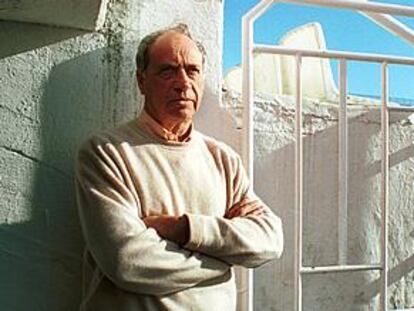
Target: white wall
<point>274,179</point>
<point>56,87</point>
<point>86,14</point>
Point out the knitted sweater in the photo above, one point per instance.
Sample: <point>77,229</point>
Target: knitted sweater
<point>128,173</point>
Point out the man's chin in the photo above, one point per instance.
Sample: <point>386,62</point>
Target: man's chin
<point>183,108</point>
<point>184,114</point>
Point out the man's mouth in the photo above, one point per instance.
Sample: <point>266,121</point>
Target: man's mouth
<point>182,99</point>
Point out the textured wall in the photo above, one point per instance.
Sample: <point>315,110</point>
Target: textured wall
<point>56,87</point>
<point>274,178</point>
<point>86,14</point>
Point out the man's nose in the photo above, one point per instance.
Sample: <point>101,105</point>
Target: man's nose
<point>182,81</point>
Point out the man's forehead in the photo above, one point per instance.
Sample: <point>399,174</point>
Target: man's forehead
<point>174,45</point>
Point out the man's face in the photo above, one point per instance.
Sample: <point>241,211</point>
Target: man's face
<point>173,81</point>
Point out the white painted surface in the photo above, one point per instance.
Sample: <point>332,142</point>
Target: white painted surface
<point>316,73</point>
<point>274,74</point>
<point>274,172</point>
<point>85,14</point>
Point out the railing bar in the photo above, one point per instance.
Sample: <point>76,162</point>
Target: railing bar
<point>343,166</point>
<point>392,25</point>
<point>246,278</point>
<point>298,185</point>
<point>392,9</point>
<point>384,186</point>
<point>256,11</point>
<point>340,268</point>
<point>377,58</point>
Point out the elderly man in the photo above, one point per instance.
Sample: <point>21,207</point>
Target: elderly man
<point>165,210</point>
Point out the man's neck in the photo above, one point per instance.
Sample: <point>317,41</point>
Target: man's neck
<point>180,128</point>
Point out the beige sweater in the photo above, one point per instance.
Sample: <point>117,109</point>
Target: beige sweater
<point>128,173</point>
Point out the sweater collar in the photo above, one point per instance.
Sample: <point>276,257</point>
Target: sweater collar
<point>150,125</point>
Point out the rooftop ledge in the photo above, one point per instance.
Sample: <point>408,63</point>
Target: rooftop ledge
<point>80,14</point>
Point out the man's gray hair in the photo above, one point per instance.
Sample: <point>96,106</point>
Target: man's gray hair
<point>142,56</point>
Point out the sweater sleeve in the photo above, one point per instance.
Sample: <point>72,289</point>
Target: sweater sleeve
<point>247,241</point>
<point>131,255</point>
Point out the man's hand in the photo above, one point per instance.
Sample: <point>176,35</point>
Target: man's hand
<point>173,228</point>
<point>245,207</point>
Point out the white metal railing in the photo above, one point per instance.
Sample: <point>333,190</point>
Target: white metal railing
<point>374,11</point>
<point>343,166</point>
<point>384,185</point>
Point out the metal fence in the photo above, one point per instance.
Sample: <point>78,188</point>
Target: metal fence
<point>381,14</point>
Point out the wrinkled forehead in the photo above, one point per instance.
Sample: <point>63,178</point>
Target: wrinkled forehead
<point>175,47</point>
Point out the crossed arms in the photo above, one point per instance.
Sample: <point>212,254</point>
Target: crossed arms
<point>176,228</point>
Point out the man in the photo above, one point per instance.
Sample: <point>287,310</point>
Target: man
<point>166,211</point>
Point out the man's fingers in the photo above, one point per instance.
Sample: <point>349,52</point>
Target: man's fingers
<point>252,209</point>
<point>245,208</point>
<point>256,212</point>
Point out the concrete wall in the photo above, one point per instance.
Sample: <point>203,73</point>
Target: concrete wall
<point>274,178</point>
<point>86,14</point>
<point>56,87</point>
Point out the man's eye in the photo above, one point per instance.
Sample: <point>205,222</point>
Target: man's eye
<point>166,72</point>
<point>193,72</point>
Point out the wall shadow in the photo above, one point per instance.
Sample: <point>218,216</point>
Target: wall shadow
<point>41,259</point>
<point>394,275</point>
<point>18,37</point>
<point>274,175</point>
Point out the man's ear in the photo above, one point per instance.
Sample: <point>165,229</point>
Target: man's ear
<point>141,81</point>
